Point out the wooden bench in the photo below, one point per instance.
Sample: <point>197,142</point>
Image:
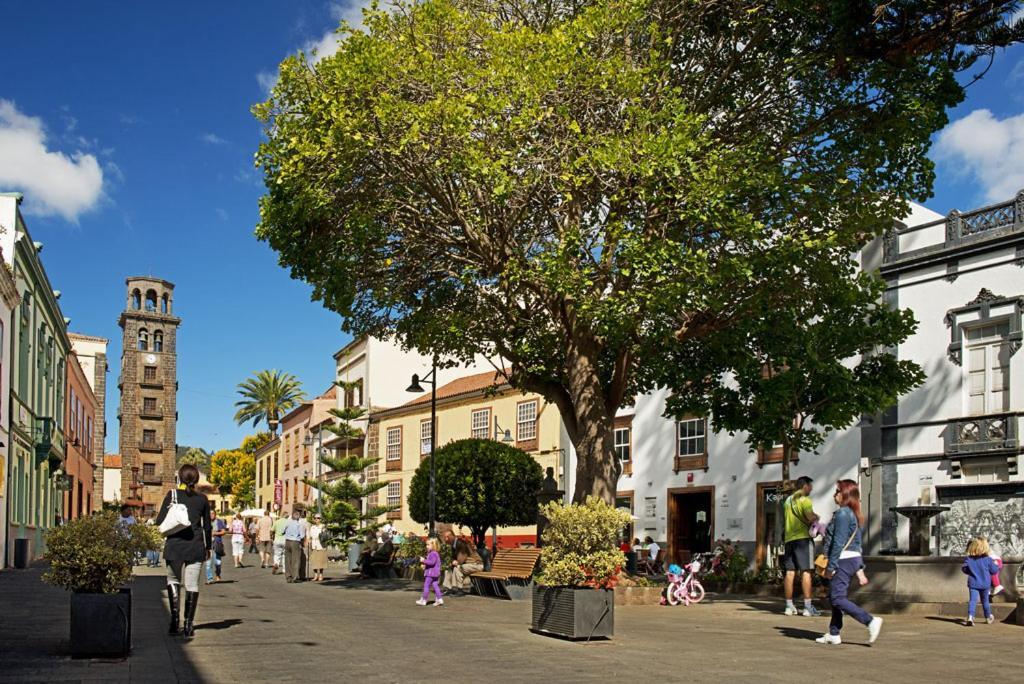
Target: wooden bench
<point>510,576</point>
<point>385,569</point>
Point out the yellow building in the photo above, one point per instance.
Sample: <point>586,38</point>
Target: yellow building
<point>483,406</point>
<point>267,472</point>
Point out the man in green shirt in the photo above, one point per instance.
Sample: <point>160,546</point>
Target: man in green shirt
<point>799,546</point>
<point>279,544</point>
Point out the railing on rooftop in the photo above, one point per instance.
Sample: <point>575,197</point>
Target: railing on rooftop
<point>980,224</point>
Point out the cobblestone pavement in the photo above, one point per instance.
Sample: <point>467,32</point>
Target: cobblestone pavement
<point>256,628</point>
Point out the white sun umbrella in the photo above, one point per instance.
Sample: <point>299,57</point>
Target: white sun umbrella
<point>256,513</point>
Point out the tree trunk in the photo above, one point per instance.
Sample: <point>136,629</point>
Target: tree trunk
<point>591,427</point>
<point>786,451</point>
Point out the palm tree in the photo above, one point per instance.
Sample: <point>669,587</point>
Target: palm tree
<point>267,396</point>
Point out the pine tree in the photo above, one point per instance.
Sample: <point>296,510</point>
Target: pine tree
<point>341,495</point>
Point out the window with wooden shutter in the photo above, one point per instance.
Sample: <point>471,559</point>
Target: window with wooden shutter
<point>393,448</point>
<point>691,444</point>
<point>394,499</point>
<point>526,425</point>
<point>480,424</point>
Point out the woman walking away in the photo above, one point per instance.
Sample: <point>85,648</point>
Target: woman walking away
<point>431,571</point>
<point>979,568</point>
<point>238,539</point>
<point>843,549</point>
<point>213,563</point>
<point>186,549</point>
<point>317,552</point>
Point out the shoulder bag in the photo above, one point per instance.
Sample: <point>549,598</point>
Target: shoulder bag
<point>177,516</point>
<point>821,561</point>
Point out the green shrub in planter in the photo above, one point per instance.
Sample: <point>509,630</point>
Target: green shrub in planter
<point>580,565</point>
<point>92,557</point>
<point>94,554</point>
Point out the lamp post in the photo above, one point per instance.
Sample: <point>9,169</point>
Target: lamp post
<point>506,435</point>
<point>415,386</point>
<point>308,442</point>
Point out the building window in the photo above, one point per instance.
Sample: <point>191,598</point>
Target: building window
<point>143,339</point>
<point>158,341</point>
<point>149,405</point>
<point>136,300</point>
<point>151,300</point>
<point>148,471</point>
<point>74,411</point>
<point>149,437</point>
<point>149,373</point>
<point>526,421</point>
<point>354,394</point>
<point>691,444</point>
<point>275,465</point>
<point>624,445</point>
<point>393,448</point>
<point>988,368</point>
<point>395,499</point>
<point>426,436</point>
<point>164,308</point>
<point>480,424</point>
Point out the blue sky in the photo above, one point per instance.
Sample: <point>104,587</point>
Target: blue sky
<point>134,118</point>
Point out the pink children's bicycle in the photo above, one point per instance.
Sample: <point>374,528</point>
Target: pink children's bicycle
<point>685,590</point>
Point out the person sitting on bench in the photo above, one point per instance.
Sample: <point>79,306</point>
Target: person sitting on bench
<point>377,562</point>
<point>464,563</point>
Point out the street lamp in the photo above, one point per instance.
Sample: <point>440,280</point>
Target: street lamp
<point>415,386</point>
<point>308,442</point>
<point>506,435</point>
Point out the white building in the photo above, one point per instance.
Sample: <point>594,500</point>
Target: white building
<point>955,440</point>
<point>112,478</point>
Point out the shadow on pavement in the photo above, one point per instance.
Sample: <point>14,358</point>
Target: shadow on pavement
<point>374,584</point>
<point>220,624</point>
<point>955,621</point>
<point>797,633</point>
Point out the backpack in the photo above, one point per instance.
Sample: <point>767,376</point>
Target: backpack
<point>326,538</point>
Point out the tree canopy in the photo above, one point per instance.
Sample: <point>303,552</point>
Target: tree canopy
<point>580,187</point>
<point>233,471</point>
<point>805,370</point>
<point>479,483</point>
<point>266,397</point>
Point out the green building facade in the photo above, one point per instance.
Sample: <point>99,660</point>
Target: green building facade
<point>39,349</point>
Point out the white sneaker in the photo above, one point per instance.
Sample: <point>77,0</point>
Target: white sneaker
<point>990,619</point>
<point>997,590</point>
<point>829,639</point>
<point>811,611</point>
<point>874,627</point>
<point>420,602</point>
<point>790,610</point>
<point>439,602</point>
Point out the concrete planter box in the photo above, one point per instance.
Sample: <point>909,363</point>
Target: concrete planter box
<point>101,624</point>
<point>638,596</point>
<point>573,612</point>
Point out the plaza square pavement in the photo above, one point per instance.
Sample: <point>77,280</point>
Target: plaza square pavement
<point>253,627</point>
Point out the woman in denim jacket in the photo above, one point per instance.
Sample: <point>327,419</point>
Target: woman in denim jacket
<point>843,549</point>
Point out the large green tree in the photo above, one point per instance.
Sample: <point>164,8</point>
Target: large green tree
<point>579,187</point>
<point>233,471</point>
<point>479,483</point>
<point>801,371</point>
<point>266,397</point>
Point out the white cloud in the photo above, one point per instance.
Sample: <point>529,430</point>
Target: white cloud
<point>986,148</point>
<point>327,44</point>
<point>213,139</point>
<point>54,183</point>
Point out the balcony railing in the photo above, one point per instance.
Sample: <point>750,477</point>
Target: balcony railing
<point>152,382</point>
<point>150,446</point>
<point>996,219</point>
<point>994,432</point>
<point>156,412</point>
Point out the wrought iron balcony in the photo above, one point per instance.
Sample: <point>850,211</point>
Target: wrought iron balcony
<point>961,229</point>
<point>155,412</point>
<point>150,446</point>
<point>977,435</point>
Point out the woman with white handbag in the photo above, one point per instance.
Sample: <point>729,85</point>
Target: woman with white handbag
<point>184,519</point>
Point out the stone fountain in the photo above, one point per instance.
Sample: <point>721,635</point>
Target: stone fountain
<point>919,526</point>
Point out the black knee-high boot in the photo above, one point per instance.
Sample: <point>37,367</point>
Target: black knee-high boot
<point>172,602</point>
<point>191,599</point>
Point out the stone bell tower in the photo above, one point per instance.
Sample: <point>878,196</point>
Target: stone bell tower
<point>148,413</point>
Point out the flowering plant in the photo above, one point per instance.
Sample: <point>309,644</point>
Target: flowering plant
<point>580,547</point>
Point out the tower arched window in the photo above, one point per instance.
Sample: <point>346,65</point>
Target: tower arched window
<point>158,341</point>
<point>164,307</point>
<point>143,339</point>
<point>151,300</point>
<point>136,300</point>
